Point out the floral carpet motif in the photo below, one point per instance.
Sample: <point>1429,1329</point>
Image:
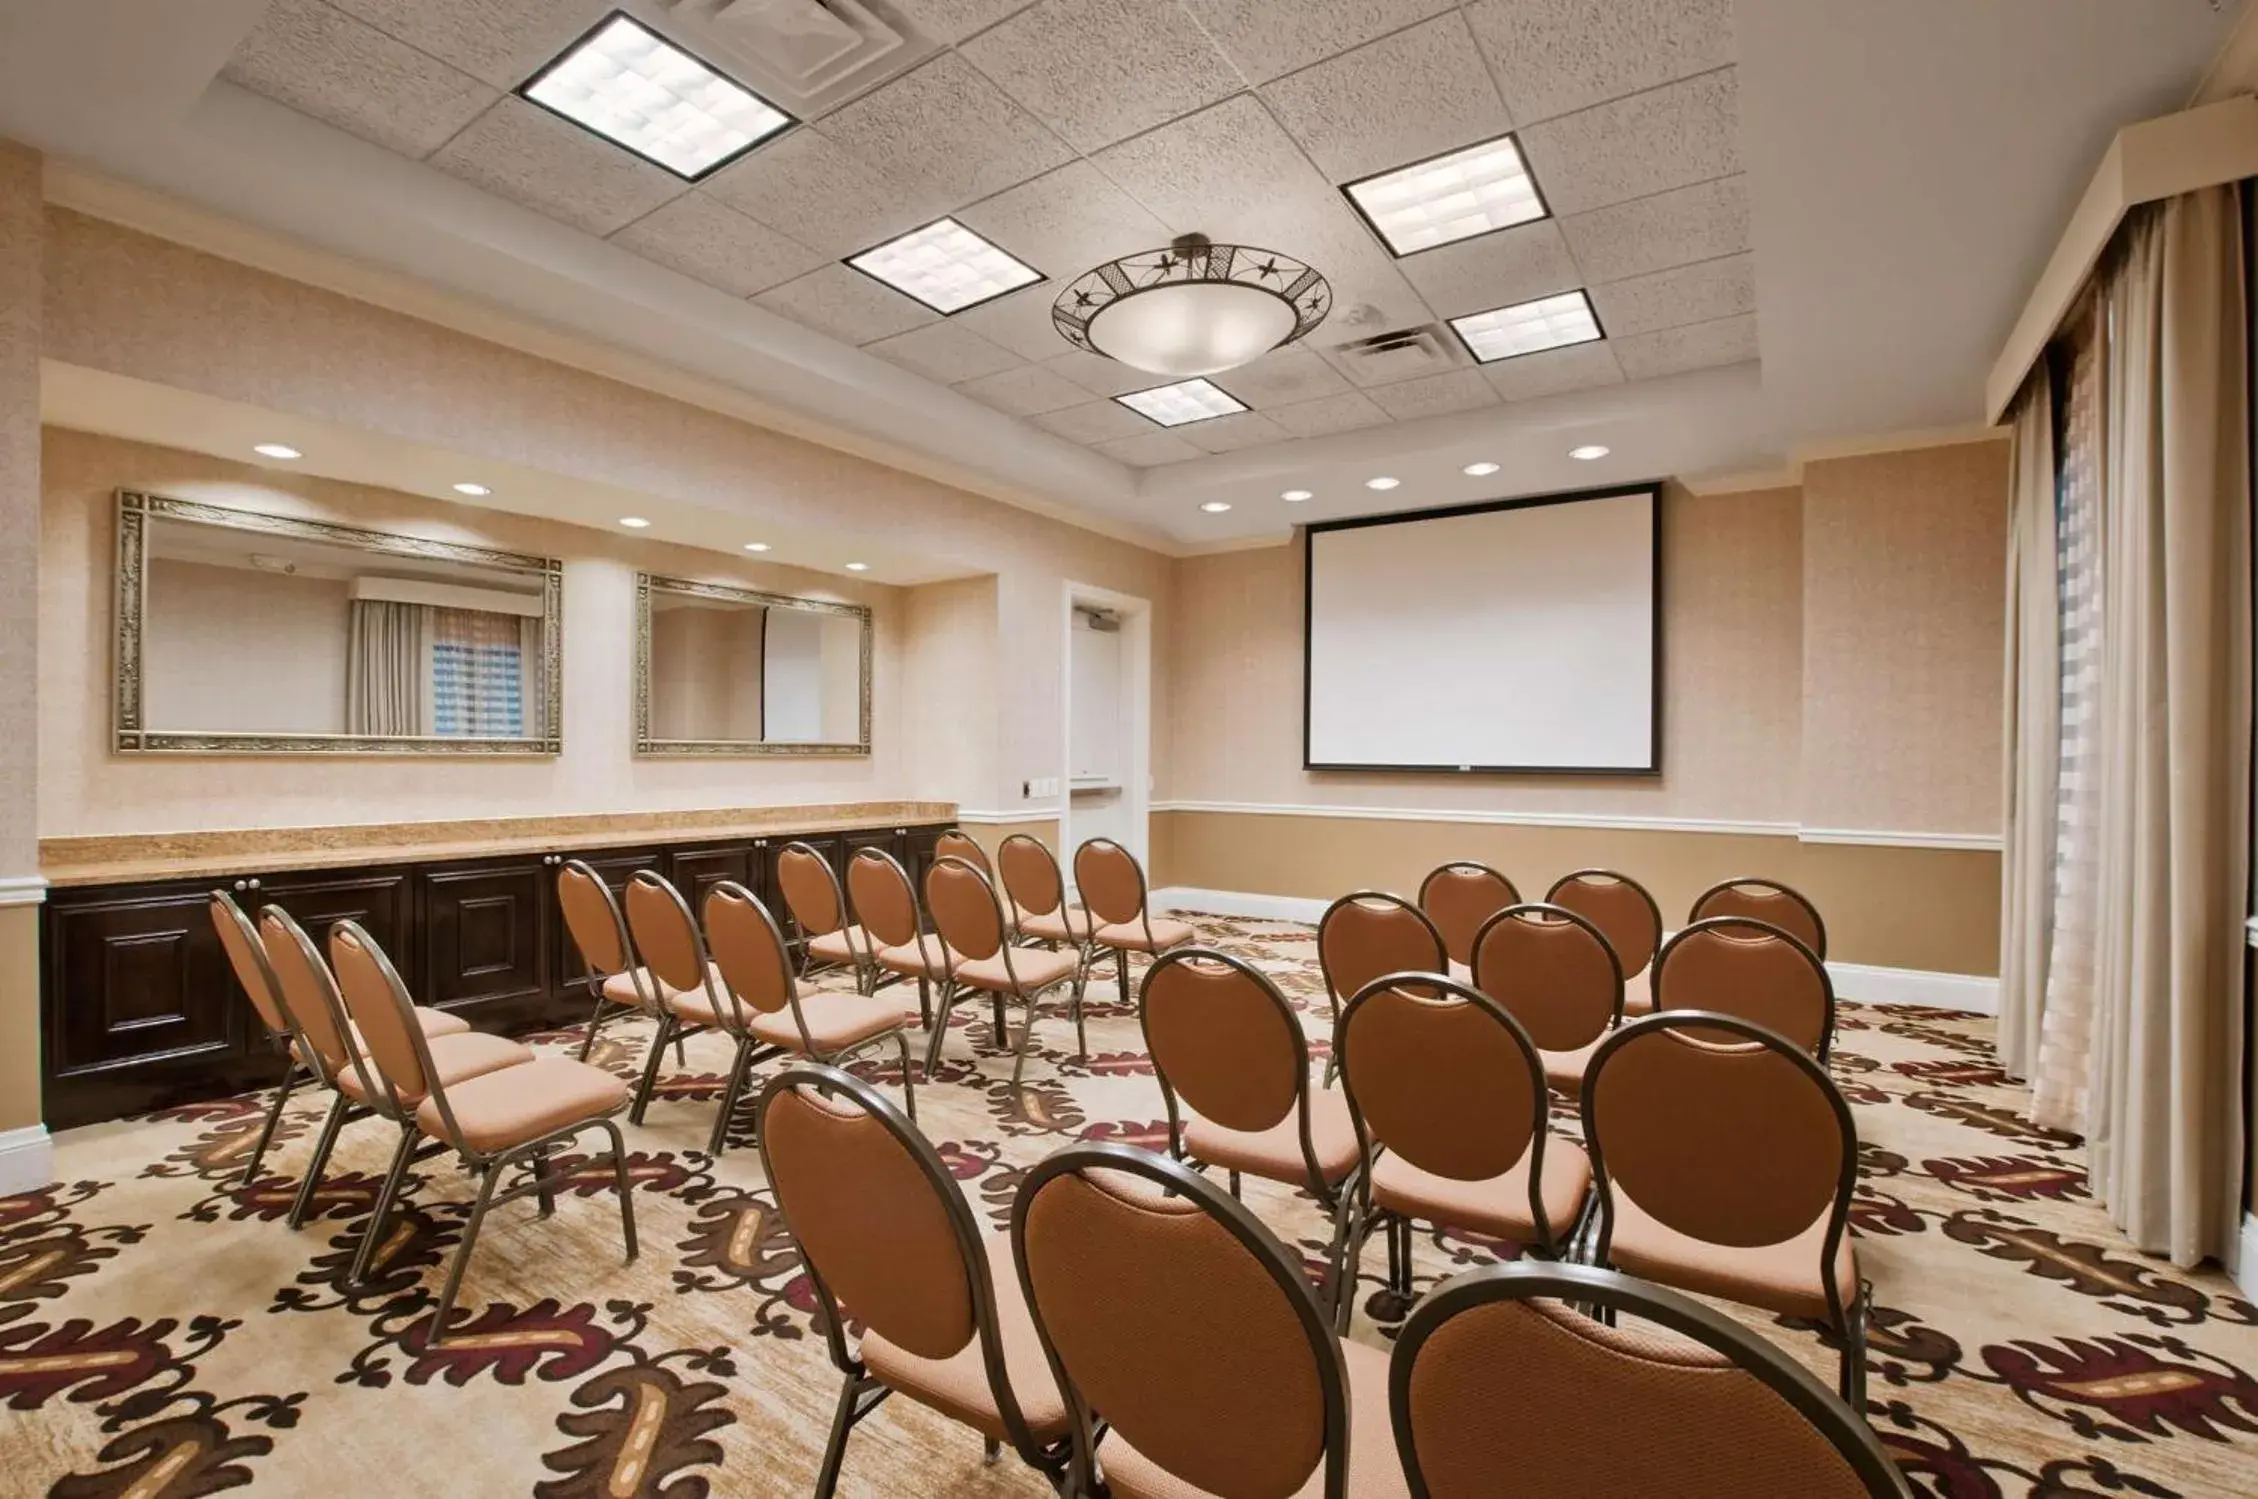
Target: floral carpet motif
<point>164,1334</point>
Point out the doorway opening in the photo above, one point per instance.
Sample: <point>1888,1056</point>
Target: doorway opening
<point>1106,702</point>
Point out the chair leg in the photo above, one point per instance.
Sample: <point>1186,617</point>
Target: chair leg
<point>939,1030</point>
<point>1234,1183</point>
<point>991,1452</point>
<point>1081,1032</point>
<point>1357,1230</point>
<point>909,1083</point>
<point>1121,972</point>
<point>316,1163</point>
<point>1026,1035</point>
<point>853,1406</point>
<point>1395,1252</point>
<point>925,1000</point>
<point>486,1180</point>
<point>625,1188</point>
<point>737,1071</point>
<point>274,1117</point>
<point>373,1235</point>
<point>595,1022</point>
<point>1850,1381</point>
<point>543,1192</point>
<point>651,1064</point>
<point>996,1008</point>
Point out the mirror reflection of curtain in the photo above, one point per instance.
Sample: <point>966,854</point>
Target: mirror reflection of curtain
<point>386,648</point>
<point>529,683</point>
<point>477,674</point>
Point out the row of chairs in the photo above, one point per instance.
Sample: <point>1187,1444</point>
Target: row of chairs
<point>1142,1334</point>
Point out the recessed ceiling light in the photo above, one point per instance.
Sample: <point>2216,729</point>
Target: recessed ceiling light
<point>756,546</point>
<point>1185,401</point>
<point>633,522</point>
<point>946,266</point>
<point>1479,470</point>
<point>1589,451</point>
<point>1450,197</point>
<point>636,89</point>
<point>1382,482</point>
<point>277,450</point>
<point>1215,507</point>
<point>472,489</point>
<point>1294,496</point>
<point>858,567</point>
<point>1529,327</point>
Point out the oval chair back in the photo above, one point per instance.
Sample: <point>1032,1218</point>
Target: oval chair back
<point>966,912</point>
<point>1225,1041</point>
<point>883,1229</point>
<point>1458,897</point>
<point>1626,916</point>
<point>594,921</point>
<point>385,1017</point>
<point>248,960</point>
<point>1553,971</point>
<point>1438,1073</point>
<point>1768,901</point>
<point>811,890</point>
<point>667,936</point>
<point>746,946</point>
<point>1030,874</point>
<point>1369,933</point>
<point>1500,1361</point>
<point>1111,883</point>
<point>1741,966</point>
<point>958,844</point>
<point>309,997</point>
<point>883,901</point>
<point>1168,1307</point>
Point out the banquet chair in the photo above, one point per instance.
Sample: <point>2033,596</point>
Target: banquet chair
<point>1765,900</point>
<point>958,844</point>
<point>599,934</point>
<point>1554,972</point>
<point>1458,897</point>
<point>1498,1380</point>
<point>969,917</point>
<point>1112,885</point>
<point>1037,892</point>
<point>1626,916</point>
<point>1366,934</point>
<point>818,906</point>
<point>1750,968</point>
<point>1726,1159</point>
<point>884,904</point>
<point>888,1238</point>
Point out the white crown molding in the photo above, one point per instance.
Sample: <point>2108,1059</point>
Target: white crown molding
<point>1874,837</point>
<point>27,1159</point>
<point>22,890</point>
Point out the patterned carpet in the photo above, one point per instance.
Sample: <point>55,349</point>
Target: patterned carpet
<point>163,1333</point>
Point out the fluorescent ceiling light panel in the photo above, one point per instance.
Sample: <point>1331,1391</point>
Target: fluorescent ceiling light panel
<point>634,88</point>
<point>946,266</point>
<point>1529,327</point>
<point>1185,401</point>
<point>1449,198</point>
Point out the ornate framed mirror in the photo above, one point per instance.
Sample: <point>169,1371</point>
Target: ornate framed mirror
<point>726,671</point>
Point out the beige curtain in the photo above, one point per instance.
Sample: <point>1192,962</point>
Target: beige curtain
<point>387,669</point>
<point>2033,730</point>
<point>2164,1112</point>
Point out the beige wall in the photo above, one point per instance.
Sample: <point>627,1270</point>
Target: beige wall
<point>83,788</point>
<point>953,664</point>
<point>229,650</point>
<point>20,313</point>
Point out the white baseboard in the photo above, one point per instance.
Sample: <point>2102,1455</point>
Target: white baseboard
<point>2245,1267</point>
<point>27,1158</point>
<point>1239,903</point>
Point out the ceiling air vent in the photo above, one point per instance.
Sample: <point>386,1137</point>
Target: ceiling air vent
<point>806,55</point>
<point>1404,354</point>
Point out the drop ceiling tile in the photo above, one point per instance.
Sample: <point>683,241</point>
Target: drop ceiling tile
<point>843,302</point>
<point>1149,450</point>
<point>807,185</point>
<point>946,126</point>
<point>1282,378</point>
<point>1701,222</point>
<point>1020,322</point>
<point>503,42</point>
<point>1097,374</point>
<point>1412,95</point>
<point>1556,56</point>
<point>701,237</point>
<point>324,63</point>
<point>1696,346</point>
<point>945,351</point>
<point>1579,367</point>
<point>1667,137</point>
<point>1493,270</point>
<point>951,21</point>
<point>1267,38</point>
<point>1065,222</point>
<point>1098,71</point>
<point>1228,434</point>
<point>1329,414</point>
<point>1698,293</point>
<point>1094,421</point>
<point>1027,391</point>
<point>1434,395</point>
<point>522,151</point>
<point>1223,171</point>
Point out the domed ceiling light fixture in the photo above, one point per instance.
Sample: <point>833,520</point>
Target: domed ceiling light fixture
<point>1194,308</point>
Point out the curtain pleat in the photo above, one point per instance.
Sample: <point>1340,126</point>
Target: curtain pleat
<point>388,647</point>
<point>2032,730</point>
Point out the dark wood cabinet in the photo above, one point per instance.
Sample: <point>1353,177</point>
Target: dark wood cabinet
<point>140,1009</point>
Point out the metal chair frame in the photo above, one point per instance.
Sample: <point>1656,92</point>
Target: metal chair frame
<point>1475,866</point>
<point>1611,1292</point>
<point>1333,996</point>
<point>1630,969</point>
<point>864,965</point>
<point>1017,905</point>
<point>1762,928</point>
<point>952,991</point>
<point>860,1393</point>
<point>917,911</point>
<point>644,981</point>
<point>671,1027</point>
<point>301,1063</point>
<point>1144,915</point>
<point>1818,922</point>
<point>1527,908</point>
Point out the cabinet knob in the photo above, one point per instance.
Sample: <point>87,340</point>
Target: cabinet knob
<point>254,884</point>
<point>901,832</point>
<point>242,884</point>
<point>760,843</point>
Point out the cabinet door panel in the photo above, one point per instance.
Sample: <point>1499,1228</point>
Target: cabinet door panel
<point>380,900</point>
<point>485,938</point>
<point>695,871</point>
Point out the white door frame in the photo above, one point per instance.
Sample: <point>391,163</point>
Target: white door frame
<point>1136,719</point>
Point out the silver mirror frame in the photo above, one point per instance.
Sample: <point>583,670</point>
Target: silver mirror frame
<point>132,736</point>
<point>647,583</point>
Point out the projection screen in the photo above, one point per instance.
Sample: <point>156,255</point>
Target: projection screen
<point>1519,635</point>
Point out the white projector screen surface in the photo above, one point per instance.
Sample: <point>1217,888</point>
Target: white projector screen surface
<point>1511,637</point>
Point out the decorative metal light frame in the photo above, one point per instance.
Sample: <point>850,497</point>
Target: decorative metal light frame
<point>1188,261</point>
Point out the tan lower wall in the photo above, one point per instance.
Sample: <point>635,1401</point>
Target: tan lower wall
<point>19,1016</point>
<point>990,835</point>
<point>1935,910</point>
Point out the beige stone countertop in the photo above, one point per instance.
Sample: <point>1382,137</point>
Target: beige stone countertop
<point>131,858</point>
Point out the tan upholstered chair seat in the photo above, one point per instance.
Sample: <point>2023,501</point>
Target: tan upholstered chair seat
<point>1638,998</point>
<point>1275,1153</point>
<point>1034,968</point>
<point>957,1386</point>
<point>621,987</point>
<point>835,1022</point>
<point>1497,1205</point>
<point>457,1058</point>
<point>1375,1472</point>
<point>435,1023</point>
<point>918,960</point>
<point>1781,1278</point>
<point>1131,935</point>
<point>501,1110</point>
<point>1565,1069</point>
<point>1066,924</point>
<point>848,945</point>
